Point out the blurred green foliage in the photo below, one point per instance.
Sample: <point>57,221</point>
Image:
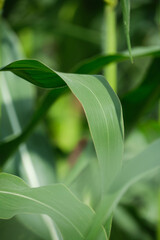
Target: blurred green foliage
<point>63,33</point>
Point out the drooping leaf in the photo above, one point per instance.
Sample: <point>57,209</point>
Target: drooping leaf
<point>137,167</point>
<point>101,106</point>
<point>89,66</point>
<point>97,63</point>
<point>132,171</point>
<point>17,97</point>
<point>71,216</point>
<point>126,21</point>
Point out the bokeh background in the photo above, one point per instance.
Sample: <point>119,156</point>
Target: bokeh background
<point>62,34</point>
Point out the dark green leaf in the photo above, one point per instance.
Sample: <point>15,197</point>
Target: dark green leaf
<point>94,64</point>
<point>126,21</point>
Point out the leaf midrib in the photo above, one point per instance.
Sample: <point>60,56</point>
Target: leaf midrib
<point>45,205</point>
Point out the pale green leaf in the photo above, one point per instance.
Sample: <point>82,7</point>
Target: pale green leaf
<point>17,97</point>
<point>71,216</point>
<point>101,105</point>
<point>133,170</point>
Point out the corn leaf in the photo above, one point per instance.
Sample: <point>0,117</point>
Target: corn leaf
<point>101,106</point>
<point>133,170</point>
<point>89,66</point>
<point>97,63</point>
<point>70,215</point>
<point>126,21</point>
<point>15,98</point>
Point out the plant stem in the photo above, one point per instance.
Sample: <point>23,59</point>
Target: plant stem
<point>110,45</point>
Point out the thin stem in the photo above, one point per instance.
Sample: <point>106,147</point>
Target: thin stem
<point>110,45</point>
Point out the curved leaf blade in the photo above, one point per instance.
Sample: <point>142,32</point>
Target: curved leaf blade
<point>97,63</point>
<point>101,105</point>
<point>36,73</point>
<point>131,171</point>
<point>138,166</point>
<point>15,98</point>
<point>70,215</point>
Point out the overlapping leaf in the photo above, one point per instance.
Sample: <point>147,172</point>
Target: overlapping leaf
<point>132,170</point>
<point>103,112</point>
<point>97,63</point>
<point>101,105</point>
<point>28,162</point>
<point>70,215</point>
<point>89,66</point>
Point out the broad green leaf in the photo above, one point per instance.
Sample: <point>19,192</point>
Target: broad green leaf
<point>97,63</point>
<point>132,170</point>
<point>126,21</point>
<point>144,96</point>
<point>36,73</point>
<point>137,167</point>
<point>71,216</point>
<point>101,105</point>
<point>17,96</point>
<point>88,66</point>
